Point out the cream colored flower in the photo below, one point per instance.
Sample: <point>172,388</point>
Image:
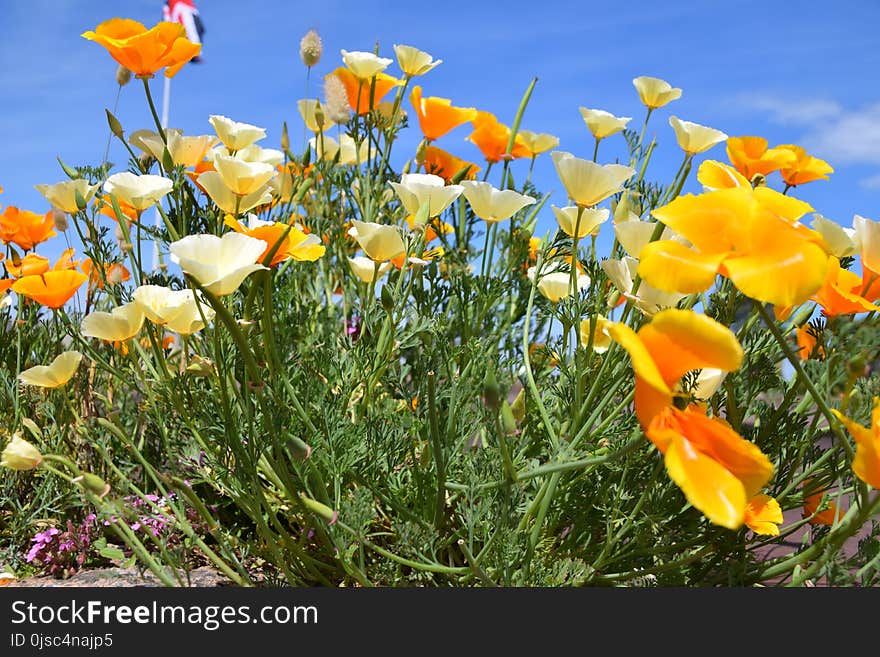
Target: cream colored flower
<point>633,234</point>
<point>491,204</point>
<point>19,454</point>
<point>695,138</point>
<point>556,285</point>
<point>648,299</point>
<point>379,242</point>
<point>603,124</point>
<point>255,154</point>
<point>327,148</point>
<point>867,236</point>
<point>365,268</point>
<point>55,374</point>
<point>591,219</point>
<point>243,178</point>
<point>219,264</point>
<point>235,135</point>
<point>226,200</point>
<point>601,337</point>
<point>586,182</point>
<point>537,143</point>
<point>364,65</point>
<point>120,324</point>
<point>63,194</point>
<point>414,189</point>
<point>185,151</point>
<point>140,192</point>
<point>842,242</point>
<point>309,110</point>
<point>180,311</point>
<point>654,92</point>
<point>413,61</point>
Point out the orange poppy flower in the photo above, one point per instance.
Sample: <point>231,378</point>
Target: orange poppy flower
<point>446,165</point>
<point>5,284</point>
<point>294,244</point>
<point>66,261</point>
<point>751,156</point>
<point>143,51</point>
<point>806,342</point>
<point>358,91</point>
<point>114,273</point>
<point>24,228</point>
<point>764,515</point>
<point>828,516</point>
<point>866,464</point>
<point>31,265</point>
<point>805,168</point>
<point>430,254</point>
<point>437,116</point>
<point>52,289</point>
<point>432,229</point>
<point>107,209</point>
<point>840,293</point>
<point>491,138</point>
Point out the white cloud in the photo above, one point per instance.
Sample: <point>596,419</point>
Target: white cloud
<point>830,131</point>
<point>871,182</point>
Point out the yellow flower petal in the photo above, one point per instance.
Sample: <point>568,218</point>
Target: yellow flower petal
<point>673,267</point>
<point>54,375</point>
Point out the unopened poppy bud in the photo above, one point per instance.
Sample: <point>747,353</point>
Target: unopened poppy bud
<point>519,406</point>
<point>387,300</point>
<point>508,422</point>
<point>199,366</point>
<point>285,138</point>
<point>322,510</point>
<point>319,116</point>
<point>491,390</point>
<point>310,48</point>
<point>19,454</point>
<point>115,125</point>
<point>123,76</point>
<point>80,200</point>
<point>93,484</point>
<point>60,219</point>
<point>420,152</point>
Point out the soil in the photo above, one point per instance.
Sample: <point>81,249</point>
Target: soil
<point>120,577</point>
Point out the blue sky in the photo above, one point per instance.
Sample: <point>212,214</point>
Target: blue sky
<point>803,75</point>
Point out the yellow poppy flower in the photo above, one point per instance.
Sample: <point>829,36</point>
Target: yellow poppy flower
<point>654,92</point>
<point>694,138</point>
<point>437,116</point>
<point>379,242</point>
<point>19,454</point>
<point>120,324</point>
<point>603,124</point>
<point>866,464</point>
<point>763,515</point>
<point>751,156</point>
<point>55,374</point>
<point>537,143</point>
<point>805,168</point>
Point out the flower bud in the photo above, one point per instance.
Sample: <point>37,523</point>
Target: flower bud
<point>93,484</point>
<point>285,138</point>
<point>491,390</point>
<point>60,219</point>
<point>19,454</point>
<point>322,510</point>
<point>199,366</point>
<point>123,76</point>
<point>310,48</point>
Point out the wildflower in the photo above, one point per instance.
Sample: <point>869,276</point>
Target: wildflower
<point>185,151</point>
<point>841,242</point>
<point>291,242</point>
<point>364,65</point>
<point>257,154</point>
<point>866,464</point>
<point>492,137</point>
<point>52,289</point>
<point>336,100</point>
<point>19,454</point>
<point>494,205</point>
<point>62,195</point>
<point>601,336</point>
<point>310,110</point>
<point>181,311</point>
<point>763,515</point>
<point>588,224</point>
<point>114,273</point>
<point>140,192</point>
<point>694,138</point>
<point>368,270</point>
<point>233,134</point>
<point>345,152</point>
<point>120,324</point>
<point>807,340</point>
<point>31,265</point>
<point>417,189</point>
<point>55,374</point>
<point>754,241</point>
<point>143,51</point>
<point>648,299</point>
<point>830,514</point>
<point>714,175</point>
<point>586,182</point>
<point>805,168</point>
<point>603,124</point>
<point>225,199</point>
<point>24,228</point>
<point>751,156</point>
<point>556,285</point>
<point>840,293</point>
<point>536,143</point>
<point>220,265</point>
<point>361,95</point>
<point>446,165</point>
<point>654,92</point>
<point>243,178</point>
<point>413,61</point>
<point>437,116</point>
<point>311,48</point>
<point>380,243</point>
